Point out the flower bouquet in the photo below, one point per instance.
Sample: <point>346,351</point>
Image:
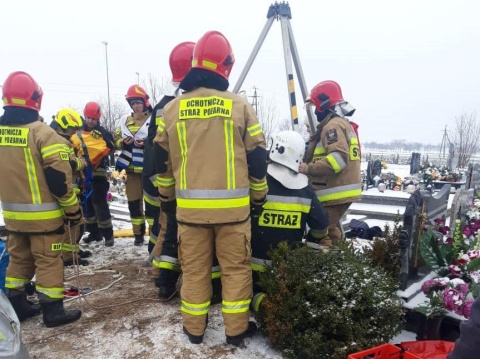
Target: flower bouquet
<point>444,295</point>
<point>456,258</point>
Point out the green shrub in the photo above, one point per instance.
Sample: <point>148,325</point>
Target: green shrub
<point>385,250</point>
<point>327,305</point>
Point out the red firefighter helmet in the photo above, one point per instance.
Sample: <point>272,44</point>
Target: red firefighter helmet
<point>214,53</point>
<point>325,95</point>
<point>181,60</point>
<point>21,90</point>
<point>92,110</point>
<point>137,92</point>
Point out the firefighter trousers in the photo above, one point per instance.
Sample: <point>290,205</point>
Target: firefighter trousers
<point>335,214</point>
<point>197,246</point>
<point>134,190</point>
<point>158,261</point>
<point>98,219</point>
<point>36,254</point>
<point>151,197</point>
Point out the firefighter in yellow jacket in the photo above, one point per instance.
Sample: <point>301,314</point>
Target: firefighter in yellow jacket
<point>332,161</point>
<point>37,198</point>
<point>66,122</point>
<point>211,159</point>
<point>130,138</point>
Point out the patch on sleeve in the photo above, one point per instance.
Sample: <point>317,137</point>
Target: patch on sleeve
<point>64,156</point>
<point>332,136</point>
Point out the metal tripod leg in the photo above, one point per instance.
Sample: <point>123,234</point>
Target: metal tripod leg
<point>282,12</point>
<point>300,75</point>
<point>287,55</point>
<point>253,55</point>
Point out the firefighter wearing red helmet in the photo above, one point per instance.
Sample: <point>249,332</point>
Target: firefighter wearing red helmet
<point>332,161</point>
<point>98,220</point>
<point>36,204</point>
<point>211,159</point>
<point>130,138</point>
<point>163,238</point>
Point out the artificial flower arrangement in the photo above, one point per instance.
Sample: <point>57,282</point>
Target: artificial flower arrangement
<point>456,259</point>
<point>430,173</point>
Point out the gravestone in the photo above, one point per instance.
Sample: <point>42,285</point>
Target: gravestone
<point>422,206</point>
<point>415,163</point>
<point>461,204</point>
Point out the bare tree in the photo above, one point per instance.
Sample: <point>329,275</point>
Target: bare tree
<point>155,88</point>
<point>267,113</point>
<point>118,110</point>
<point>466,138</point>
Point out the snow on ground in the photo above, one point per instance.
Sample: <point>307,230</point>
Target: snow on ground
<point>150,329</point>
<point>164,330</point>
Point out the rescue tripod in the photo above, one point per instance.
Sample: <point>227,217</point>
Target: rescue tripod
<point>281,12</point>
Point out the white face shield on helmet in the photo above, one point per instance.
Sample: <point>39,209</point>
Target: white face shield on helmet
<point>286,154</point>
<point>344,109</point>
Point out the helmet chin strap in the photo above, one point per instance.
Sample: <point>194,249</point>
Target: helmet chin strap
<point>321,115</point>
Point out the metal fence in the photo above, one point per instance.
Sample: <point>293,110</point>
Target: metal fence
<point>404,158</point>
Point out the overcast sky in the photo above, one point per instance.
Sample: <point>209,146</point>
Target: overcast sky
<point>409,67</point>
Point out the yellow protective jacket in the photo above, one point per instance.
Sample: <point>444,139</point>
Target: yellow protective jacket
<point>36,178</point>
<point>95,146</point>
<point>77,164</point>
<point>333,156</point>
<point>212,157</point>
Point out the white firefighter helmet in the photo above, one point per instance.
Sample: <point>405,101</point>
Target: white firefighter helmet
<point>286,154</point>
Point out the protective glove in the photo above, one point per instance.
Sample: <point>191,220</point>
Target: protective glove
<point>74,218</point>
<point>169,207</point>
<point>96,134</point>
<point>256,207</point>
<point>77,164</point>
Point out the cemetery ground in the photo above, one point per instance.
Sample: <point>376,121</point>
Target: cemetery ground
<point>123,317</point>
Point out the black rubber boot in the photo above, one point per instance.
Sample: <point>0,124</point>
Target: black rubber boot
<point>167,284</point>
<point>79,261</point>
<point>54,314</point>
<point>93,237</point>
<point>238,339</point>
<point>84,254</point>
<point>23,308</point>
<point>109,242</point>
<point>194,339</point>
<point>139,241</point>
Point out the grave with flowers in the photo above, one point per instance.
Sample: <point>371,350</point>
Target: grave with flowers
<point>453,256</point>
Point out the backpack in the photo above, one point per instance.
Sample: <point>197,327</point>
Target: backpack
<point>11,345</point>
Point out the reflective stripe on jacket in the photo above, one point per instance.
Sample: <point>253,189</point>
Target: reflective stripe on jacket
<point>28,154</point>
<point>334,159</point>
<point>135,126</point>
<point>284,218</point>
<point>206,136</point>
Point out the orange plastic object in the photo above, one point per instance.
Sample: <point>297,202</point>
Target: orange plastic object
<point>427,349</point>
<point>385,351</point>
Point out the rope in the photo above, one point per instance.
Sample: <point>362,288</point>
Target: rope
<point>77,271</point>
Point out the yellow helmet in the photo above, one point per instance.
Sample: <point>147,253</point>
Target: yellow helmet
<point>68,118</point>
